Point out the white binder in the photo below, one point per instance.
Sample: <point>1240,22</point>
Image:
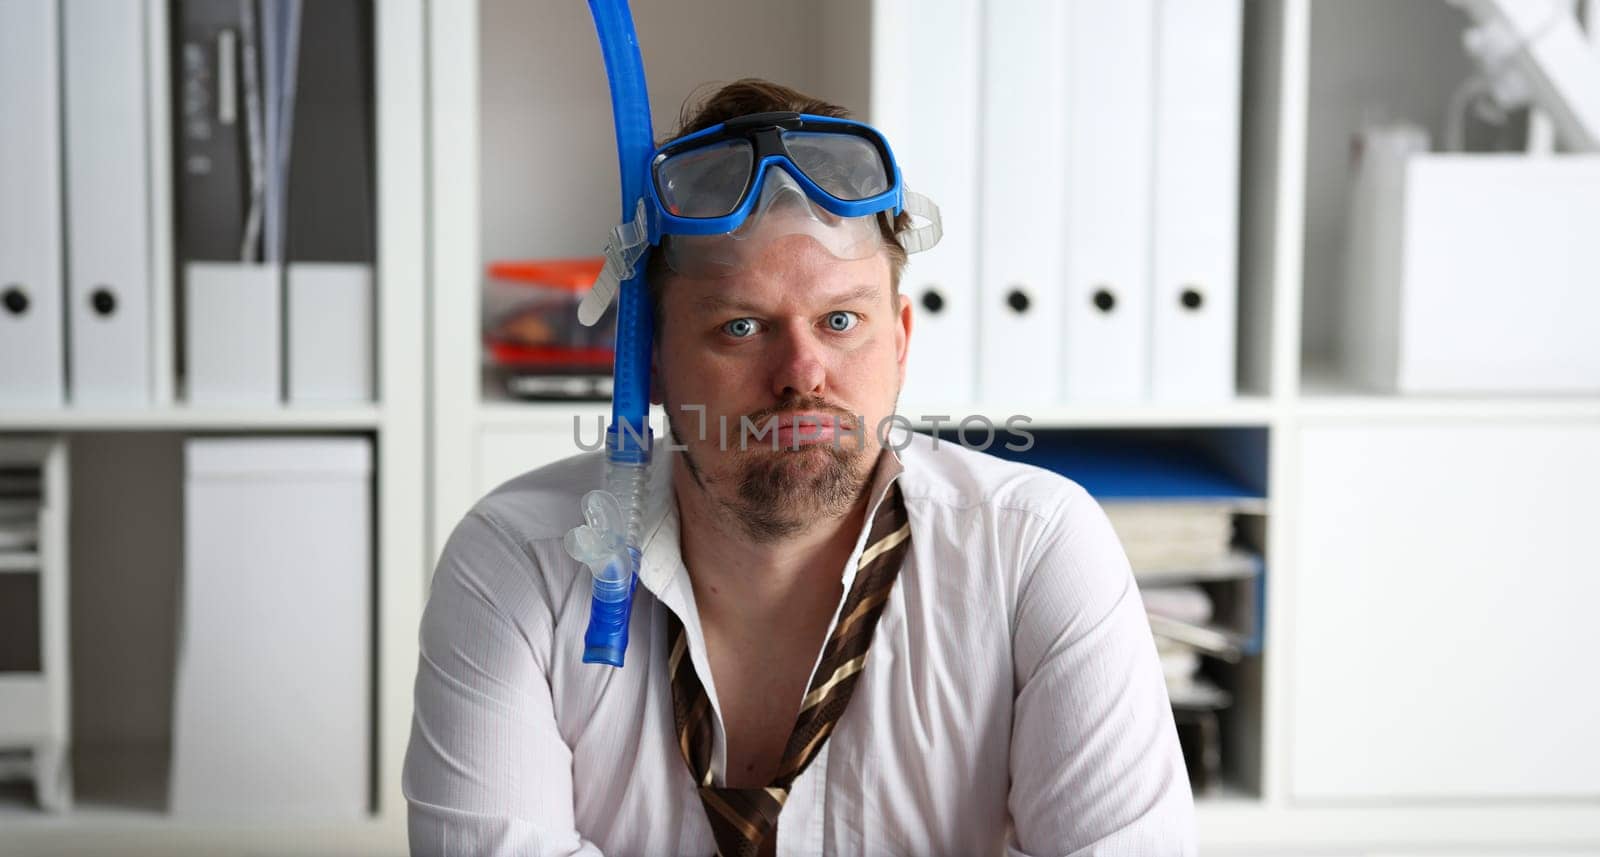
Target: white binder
<point>1023,213</point>
<point>925,57</point>
<point>32,367</point>
<point>108,201</point>
<point>1110,83</point>
<point>330,323</point>
<point>1194,280</point>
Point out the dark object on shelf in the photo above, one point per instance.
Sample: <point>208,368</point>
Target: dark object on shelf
<point>1199,736</point>
<point>333,168</point>
<point>212,181</point>
<point>1241,608</point>
<point>549,385</point>
<point>19,623</point>
<point>531,334</point>
<point>21,483</point>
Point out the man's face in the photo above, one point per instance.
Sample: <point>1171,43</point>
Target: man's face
<point>810,349</point>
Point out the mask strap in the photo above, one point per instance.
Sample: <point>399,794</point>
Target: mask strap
<point>924,237</point>
<point>623,249</point>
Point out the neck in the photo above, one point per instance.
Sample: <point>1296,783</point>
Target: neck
<point>730,571</point>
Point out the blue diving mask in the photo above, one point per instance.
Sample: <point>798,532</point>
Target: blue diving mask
<point>724,192</point>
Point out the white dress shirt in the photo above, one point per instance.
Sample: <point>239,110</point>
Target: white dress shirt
<point>1012,701</point>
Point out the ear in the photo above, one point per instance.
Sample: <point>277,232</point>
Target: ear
<point>902,335</point>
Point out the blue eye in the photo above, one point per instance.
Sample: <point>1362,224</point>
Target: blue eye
<point>841,321</point>
<point>740,328</point>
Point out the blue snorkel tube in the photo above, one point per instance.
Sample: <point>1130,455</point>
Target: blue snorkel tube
<point>608,543</point>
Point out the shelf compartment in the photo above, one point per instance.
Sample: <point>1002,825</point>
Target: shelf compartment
<point>1326,395</point>
<point>1190,506</point>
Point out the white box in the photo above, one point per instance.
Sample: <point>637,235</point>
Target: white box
<point>233,332</point>
<point>330,332</point>
<point>1474,274</point>
<point>272,711</point>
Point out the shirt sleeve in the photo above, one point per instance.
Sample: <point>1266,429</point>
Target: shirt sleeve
<point>1095,763</point>
<point>487,771</point>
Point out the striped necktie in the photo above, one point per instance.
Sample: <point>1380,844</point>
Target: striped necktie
<point>743,820</point>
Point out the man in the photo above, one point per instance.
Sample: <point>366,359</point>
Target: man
<point>851,643</point>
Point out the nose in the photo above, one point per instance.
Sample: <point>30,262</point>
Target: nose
<point>799,368</point>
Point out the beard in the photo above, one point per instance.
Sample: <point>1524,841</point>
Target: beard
<point>771,494</point>
<point>780,493</point>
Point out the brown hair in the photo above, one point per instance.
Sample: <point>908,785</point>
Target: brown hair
<point>754,95</point>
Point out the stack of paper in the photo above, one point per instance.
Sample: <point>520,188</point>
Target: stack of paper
<point>20,502</point>
<point>1180,618</point>
<point>1176,537</point>
<point>19,483</point>
<point>1185,516</point>
<point>19,529</point>
<point>1188,604</point>
<point>20,506</point>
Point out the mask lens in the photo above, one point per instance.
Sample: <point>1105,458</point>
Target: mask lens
<point>847,166</point>
<point>781,210</point>
<point>705,182</point>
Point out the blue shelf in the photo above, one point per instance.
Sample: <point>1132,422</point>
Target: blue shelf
<point>1131,465</point>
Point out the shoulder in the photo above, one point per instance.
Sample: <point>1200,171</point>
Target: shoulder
<point>543,503</point>
<point>507,549</point>
<point>1006,522</point>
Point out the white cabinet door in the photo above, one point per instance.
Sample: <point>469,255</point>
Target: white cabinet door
<point>1445,602</point>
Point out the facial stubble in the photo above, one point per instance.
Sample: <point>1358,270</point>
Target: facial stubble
<point>778,493</point>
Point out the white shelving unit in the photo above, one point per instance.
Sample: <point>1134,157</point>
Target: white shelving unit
<point>133,821</point>
<point>36,696</point>
<point>522,165</point>
<point>182,418</point>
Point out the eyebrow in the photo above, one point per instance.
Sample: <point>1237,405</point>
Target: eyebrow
<point>723,303</point>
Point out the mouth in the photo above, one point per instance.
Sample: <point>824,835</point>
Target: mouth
<point>801,428</point>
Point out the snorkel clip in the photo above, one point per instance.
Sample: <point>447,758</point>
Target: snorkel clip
<point>627,245</point>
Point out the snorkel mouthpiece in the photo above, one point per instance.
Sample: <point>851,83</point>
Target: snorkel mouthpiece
<point>603,544</point>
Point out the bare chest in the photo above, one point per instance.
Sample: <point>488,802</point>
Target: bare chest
<point>760,680</point>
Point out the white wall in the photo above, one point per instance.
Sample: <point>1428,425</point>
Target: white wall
<point>1370,60</point>
<point>551,190</point>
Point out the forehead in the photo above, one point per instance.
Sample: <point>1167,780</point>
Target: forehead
<point>798,274</point>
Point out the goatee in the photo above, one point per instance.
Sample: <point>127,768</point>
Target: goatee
<point>781,493</point>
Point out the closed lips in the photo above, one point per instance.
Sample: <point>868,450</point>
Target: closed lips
<point>810,421</point>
